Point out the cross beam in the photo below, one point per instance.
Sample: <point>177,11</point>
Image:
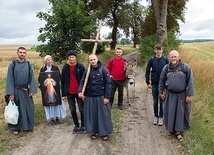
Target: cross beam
<point>93,52</point>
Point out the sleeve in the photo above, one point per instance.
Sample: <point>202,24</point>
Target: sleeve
<point>32,81</point>
<point>10,80</point>
<point>190,82</point>
<point>147,73</point>
<point>109,65</point>
<point>161,86</point>
<point>82,82</point>
<point>63,80</point>
<point>107,83</point>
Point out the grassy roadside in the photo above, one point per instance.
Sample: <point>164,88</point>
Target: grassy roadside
<point>199,139</point>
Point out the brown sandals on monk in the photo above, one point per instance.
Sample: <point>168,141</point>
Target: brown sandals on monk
<point>15,132</point>
<point>94,136</point>
<point>105,138</point>
<point>179,137</point>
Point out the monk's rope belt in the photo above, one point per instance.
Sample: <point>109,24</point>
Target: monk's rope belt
<point>21,88</point>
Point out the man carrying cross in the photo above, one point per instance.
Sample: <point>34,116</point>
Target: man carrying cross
<point>97,108</point>
<point>96,95</point>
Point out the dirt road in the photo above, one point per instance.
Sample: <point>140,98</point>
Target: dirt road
<point>138,135</point>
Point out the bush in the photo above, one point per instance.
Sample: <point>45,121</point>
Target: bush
<point>147,44</point>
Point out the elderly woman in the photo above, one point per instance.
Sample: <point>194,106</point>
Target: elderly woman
<point>53,111</point>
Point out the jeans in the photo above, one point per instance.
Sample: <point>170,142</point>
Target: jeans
<point>156,98</point>
<point>120,86</point>
<point>72,105</point>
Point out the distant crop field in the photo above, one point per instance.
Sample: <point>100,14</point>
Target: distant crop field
<point>203,50</point>
<point>8,53</point>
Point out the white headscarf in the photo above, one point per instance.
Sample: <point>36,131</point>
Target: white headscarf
<point>46,57</point>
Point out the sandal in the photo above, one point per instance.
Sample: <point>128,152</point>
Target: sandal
<point>170,133</point>
<point>94,136</point>
<point>15,132</point>
<point>105,138</point>
<point>179,137</point>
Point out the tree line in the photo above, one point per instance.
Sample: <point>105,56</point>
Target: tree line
<point>69,21</point>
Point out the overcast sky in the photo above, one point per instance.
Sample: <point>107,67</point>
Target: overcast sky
<point>19,24</point>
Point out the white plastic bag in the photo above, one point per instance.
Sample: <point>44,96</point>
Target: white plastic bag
<point>11,113</point>
<point>63,110</point>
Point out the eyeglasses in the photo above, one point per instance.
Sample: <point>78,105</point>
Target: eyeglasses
<point>158,48</point>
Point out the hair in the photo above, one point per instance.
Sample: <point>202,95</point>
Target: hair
<point>21,48</point>
<point>118,48</point>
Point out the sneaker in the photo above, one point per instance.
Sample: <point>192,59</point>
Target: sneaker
<point>57,121</point>
<point>52,122</point>
<point>75,129</point>
<point>160,121</point>
<point>120,107</point>
<point>82,129</point>
<point>155,122</point>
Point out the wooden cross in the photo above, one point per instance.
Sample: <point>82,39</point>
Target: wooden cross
<point>93,52</point>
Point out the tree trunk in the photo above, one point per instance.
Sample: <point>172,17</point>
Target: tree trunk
<point>161,17</point>
<point>114,38</point>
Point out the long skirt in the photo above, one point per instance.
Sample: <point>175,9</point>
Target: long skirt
<point>97,116</point>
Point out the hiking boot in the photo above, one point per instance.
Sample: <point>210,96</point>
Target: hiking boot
<point>120,107</point>
<point>75,129</point>
<point>155,122</point>
<point>160,121</point>
<point>82,129</point>
<point>57,121</point>
<point>52,122</point>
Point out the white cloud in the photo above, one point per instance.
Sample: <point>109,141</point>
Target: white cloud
<point>19,24</point>
<point>199,20</point>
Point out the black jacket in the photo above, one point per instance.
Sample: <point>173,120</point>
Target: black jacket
<point>79,69</point>
<point>154,68</point>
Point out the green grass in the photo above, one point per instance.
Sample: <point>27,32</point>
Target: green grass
<point>199,139</point>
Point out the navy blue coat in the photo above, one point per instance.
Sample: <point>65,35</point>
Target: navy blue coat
<point>99,82</point>
<point>79,69</point>
<point>155,67</point>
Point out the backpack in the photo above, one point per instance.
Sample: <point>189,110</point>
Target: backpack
<point>182,69</point>
<point>14,64</point>
<point>164,57</point>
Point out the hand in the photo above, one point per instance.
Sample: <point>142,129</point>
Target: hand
<point>162,96</point>
<point>11,97</point>
<point>81,96</point>
<point>64,98</point>
<point>149,86</point>
<point>188,99</point>
<point>105,101</point>
<point>30,95</point>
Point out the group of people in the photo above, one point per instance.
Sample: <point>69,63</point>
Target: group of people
<point>94,89</point>
<point>94,103</point>
<point>172,87</point>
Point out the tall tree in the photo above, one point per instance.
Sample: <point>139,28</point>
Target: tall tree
<point>133,17</point>
<point>165,13</point>
<point>67,22</point>
<point>114,18</point>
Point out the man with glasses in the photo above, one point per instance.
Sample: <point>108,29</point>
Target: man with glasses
<point>154,69</point>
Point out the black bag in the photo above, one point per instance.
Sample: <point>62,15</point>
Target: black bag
<point>7,98</point>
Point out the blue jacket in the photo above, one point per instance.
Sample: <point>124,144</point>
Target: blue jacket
<point>99,82</point>
<point>154,67</point>
<point>79,69</point>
